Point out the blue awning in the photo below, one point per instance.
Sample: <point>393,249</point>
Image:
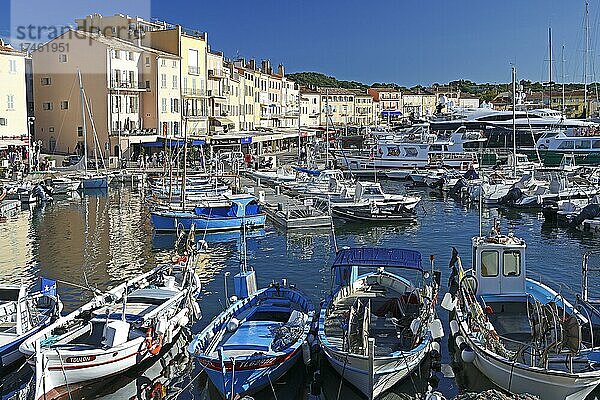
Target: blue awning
<point>174,143</point>
<point>378,257</point>
<point>154,144</point>
<point>391,113</point>
<point>198,142</point>
<point>246,140</point>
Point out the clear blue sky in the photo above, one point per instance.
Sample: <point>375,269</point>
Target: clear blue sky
<point>404,41</point>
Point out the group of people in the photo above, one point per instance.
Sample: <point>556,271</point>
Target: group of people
<point>153,160</point>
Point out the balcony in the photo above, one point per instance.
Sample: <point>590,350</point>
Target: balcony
<point>134,132</point>
<point>215,74</point>
<point>128,85</point>
<point>193,70</point>
<point>194,92</point>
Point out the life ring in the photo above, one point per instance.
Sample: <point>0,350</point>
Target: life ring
<point>411,136</point>
<point>154,346</point>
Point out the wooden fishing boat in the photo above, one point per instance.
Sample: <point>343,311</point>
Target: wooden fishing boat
<point>257,339</point>
<point>115,331</point>
<point>523,335</point>
<point>376,328</point>
<point>23,313</point>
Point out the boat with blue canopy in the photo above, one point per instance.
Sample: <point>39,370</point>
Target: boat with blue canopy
<point>257,339</point>
<point>376,328</point>
<point>231,213</point>
<point>522,334</point>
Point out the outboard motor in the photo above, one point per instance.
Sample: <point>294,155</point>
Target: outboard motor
<point>511,197</point>
<point>550,211</point>
<point>590,211</point>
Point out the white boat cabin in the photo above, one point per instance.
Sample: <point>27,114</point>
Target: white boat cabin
<point>499,264</point>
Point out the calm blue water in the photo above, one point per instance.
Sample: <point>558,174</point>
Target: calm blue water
<point>102,238</point>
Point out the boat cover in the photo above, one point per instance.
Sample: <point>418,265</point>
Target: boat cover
<point>378,257</point>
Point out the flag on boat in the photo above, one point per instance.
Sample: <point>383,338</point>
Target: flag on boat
<point>48,287</point>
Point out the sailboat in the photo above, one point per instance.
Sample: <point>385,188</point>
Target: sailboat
<point>89,180</point>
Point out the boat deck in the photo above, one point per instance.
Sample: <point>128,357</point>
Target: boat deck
<point>389,322</point>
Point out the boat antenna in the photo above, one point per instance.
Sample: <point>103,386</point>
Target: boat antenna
<point>335,246</point>
<point>585,59</point>
<point>514,125</point>
<point>480,210</point>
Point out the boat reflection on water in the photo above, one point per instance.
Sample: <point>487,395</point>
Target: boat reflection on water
<point>103,192</point>
<point>165,241</point>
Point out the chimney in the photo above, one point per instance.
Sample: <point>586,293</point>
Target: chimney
<point>265,66</point>
<point>252,64</point>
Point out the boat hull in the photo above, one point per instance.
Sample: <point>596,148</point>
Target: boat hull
<point>94,183</point>
<point>169,221</point>
<point>247,380</point>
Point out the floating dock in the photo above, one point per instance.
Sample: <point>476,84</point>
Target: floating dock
<point>286,211</point>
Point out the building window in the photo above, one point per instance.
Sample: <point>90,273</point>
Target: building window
<point>64,105</point>
<point>174,64</point>
<point>46,81</point>
<point>164,105</point>
<point>62,58</point>
<point>175,105</point>
<point>80,131</point>
<point>163,62</point>
<point>116,54</point>
<point>163,81</point>
<point>10,102</point>
<point>147,84</point>
<point>12,66</point>
<point>147,61</point>
<point>47,106</point>
<point>2,121</point>
<point>175,81</point>
<point>131,56</point>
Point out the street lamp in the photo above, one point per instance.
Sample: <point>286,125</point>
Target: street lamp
<point>30,122</point>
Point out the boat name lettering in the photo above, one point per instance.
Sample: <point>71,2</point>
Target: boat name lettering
<point>80,359</point>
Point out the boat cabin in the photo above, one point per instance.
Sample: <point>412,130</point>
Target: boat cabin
<point>499,264</point>
<point>368,191</point>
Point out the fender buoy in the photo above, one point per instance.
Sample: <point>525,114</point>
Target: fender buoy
<point>153,346</point>
<point>158,391</point>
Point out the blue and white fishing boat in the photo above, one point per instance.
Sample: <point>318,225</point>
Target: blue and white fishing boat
<point>376,328</point>
<point>232,213</point>
<point>23,313</point>
<point>257,339</point>
<point>523,335</point>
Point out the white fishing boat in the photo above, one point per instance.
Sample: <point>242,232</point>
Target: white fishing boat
<point>22,313</point>
<point>376,328</point>
<point>117,330</point>
<point>64,185</point>
<point>520,333</point>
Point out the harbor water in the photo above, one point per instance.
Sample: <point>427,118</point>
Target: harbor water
<point>98,239</point>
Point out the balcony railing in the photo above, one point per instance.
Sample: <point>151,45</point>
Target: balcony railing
<point>215,73</point>
<point>193,70</point>
<point>134,132</point>
<point>133,85</point>
<point>194,92</point>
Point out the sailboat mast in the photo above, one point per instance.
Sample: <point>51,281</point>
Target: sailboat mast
<point>562,78</point>
<point>184,175</point>
<point>83,117</point>
<point>327,128</point>
<point>585,60</point>
<point>514,125</point>
<point>550,67</point>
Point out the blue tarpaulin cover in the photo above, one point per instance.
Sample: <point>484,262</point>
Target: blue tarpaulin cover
<point>313,172</point>
<point>378,257</point>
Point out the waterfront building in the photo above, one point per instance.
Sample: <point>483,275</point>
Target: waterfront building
<point>418,104</point>
<point>310,105</point>
<point>13,99</point>
<point>338,104</point>
<point>217,99</point>
<point>363,109</point>
<point>132,91</point>
<point>390,103</point>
